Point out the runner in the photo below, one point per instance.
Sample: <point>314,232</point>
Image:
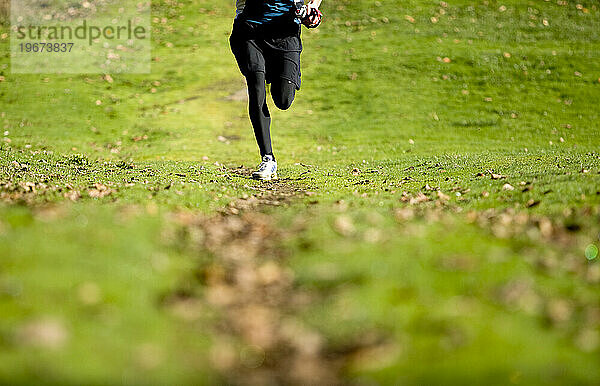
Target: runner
<point>266,43</point>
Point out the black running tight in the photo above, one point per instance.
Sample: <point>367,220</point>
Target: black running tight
<point>282,91</point>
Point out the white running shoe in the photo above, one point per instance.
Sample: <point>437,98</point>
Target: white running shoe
<point>267,170</point>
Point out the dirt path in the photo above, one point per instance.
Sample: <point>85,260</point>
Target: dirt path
<point>258,341</point>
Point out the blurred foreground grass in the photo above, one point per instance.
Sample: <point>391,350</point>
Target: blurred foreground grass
<point>436,221</point>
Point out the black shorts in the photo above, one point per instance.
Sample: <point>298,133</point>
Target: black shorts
<point>273,49</point>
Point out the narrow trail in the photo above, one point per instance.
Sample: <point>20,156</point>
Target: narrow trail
<point>258,340</point>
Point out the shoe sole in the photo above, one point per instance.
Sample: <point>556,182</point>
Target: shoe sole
<point>266,178</point>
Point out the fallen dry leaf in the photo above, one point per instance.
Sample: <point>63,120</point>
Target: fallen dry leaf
<point>559,310</point>
<point>72,195</point>
<point>99,191</point>
<point>45,333</point>
<point>419,198</point>
<point>343,225</point>
<point>404,214</point>
<point>442,196</point>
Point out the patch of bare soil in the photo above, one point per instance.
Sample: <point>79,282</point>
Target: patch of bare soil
<point>270,193</point>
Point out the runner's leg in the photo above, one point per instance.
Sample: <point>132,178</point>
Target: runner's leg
<point>259,112</point>
<point>285,76</point>
<point>283,92</point>
<point>251,60</point>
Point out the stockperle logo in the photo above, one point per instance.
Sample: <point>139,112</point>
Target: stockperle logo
<point>94,36</point>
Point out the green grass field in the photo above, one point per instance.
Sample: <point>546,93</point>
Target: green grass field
<point>436,221</point>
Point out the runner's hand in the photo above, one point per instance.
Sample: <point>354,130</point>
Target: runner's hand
<point>313,18</point>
